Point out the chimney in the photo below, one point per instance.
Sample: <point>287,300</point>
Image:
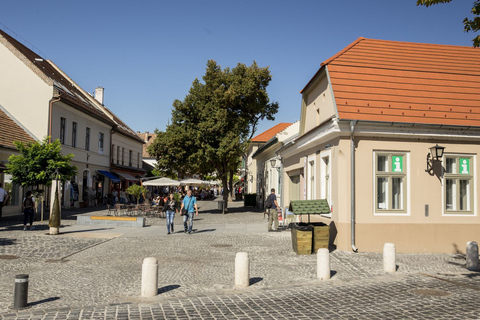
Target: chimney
<point>99,94</point>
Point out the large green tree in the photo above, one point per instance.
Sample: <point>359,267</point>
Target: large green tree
<point>37,161</point>
<point>470,25</point>
<point>211,127</point>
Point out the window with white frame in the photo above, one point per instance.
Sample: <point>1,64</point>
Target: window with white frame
<point>63,127</point>
<point>87,139</point>
<point>100,142</point>
<point>118,155</point>
<point>458,184</point>
<point>311,180</point>
<point>74,134</point>
<point>390,182</point>
<point>325,172</point>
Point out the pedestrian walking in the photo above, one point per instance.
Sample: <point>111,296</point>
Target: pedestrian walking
<point>3,199</point>
<point>28,205</point>
<point>189,203</point>
<point>271,206</point>
<point>170,207</point>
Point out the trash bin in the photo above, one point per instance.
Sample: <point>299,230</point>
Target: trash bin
<point>302,238</point>
<point>220,205</point>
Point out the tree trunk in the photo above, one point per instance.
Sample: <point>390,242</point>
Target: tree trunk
<point>230,186</point>
<point>225,192</point>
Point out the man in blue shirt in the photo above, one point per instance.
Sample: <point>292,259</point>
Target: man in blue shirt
<point>190,205</point>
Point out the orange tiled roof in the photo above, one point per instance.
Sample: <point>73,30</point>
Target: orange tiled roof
<point>10,131</point>
<point>267,135</point>
<point>391,81</point>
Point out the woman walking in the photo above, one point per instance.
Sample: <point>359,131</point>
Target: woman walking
<point>170,207</point>
<point>28,210</point>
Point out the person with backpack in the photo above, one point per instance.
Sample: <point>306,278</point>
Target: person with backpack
<point>271,206</point>
<point>189,205</point>
<point>28,210</point>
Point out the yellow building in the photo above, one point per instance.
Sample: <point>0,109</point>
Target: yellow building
<point>369,118</point>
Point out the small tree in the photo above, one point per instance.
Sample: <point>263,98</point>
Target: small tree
<point>136,191</point>
<point>36,164</point>
<point>37,161</point>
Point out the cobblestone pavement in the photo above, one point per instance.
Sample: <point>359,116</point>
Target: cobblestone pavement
<point>96,277</point>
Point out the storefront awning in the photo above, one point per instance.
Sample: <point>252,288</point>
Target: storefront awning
<point>126,176</point>
<point>109,176</point>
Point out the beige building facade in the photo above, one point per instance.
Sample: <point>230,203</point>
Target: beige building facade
<point>45,101</point>
<point>365,145</point>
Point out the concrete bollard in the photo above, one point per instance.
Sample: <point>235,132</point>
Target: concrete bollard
<point>20,296</point>
<point>389,261</point>
<point>242,270</point>
<point>149,277</point>
<point>323,264</point>
<point>472,256</point>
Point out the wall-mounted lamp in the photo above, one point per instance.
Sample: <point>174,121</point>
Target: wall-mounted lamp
<point>273,163</point>
<point>435,154</point>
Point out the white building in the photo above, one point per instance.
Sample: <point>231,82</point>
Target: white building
<point>45,101</point>
<point>269,165</point>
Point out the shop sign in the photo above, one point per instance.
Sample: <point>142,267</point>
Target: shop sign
<point>397,164</point>
<point>464,166</point>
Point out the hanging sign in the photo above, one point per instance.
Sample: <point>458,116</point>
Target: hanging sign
<point>464,166</point>
<point>397,164</point>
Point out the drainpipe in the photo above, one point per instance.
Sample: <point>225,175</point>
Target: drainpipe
<point>50,107</point>
<point>352,184</point>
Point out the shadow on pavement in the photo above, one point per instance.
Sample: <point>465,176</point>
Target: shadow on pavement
<point>205,230</point>
<point>241,209</point>
<point>7,242</point>
<point>255,280</point>
<point>168,288</point>
<point>89,230</point>
<point>43,301</point>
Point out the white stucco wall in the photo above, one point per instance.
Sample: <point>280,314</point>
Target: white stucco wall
<point>23,93</point>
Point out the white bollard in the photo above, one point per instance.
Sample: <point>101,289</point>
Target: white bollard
<point>472,256</point>
<point>149,277</point>
<point>323,264</point>
<point>242,270</point>
<point>389,262</point>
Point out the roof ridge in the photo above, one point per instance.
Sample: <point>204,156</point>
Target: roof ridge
<point>285,124</point>
<point>423,43</point>
<point>338,54</point>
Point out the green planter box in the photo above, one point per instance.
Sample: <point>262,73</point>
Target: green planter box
<point>250,199</point>
<point>302,238</point>
<point>321,236</point>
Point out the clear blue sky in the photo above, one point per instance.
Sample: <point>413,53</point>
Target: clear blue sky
<point>147,53</point>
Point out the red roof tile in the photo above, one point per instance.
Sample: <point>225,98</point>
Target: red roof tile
<point>267,135</point>
<point>10,131</point>
<point>378,80</point>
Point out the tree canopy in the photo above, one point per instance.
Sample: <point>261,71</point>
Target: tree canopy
<point>470,25</point>
<point>211,127</point>
<point>37,161</point>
